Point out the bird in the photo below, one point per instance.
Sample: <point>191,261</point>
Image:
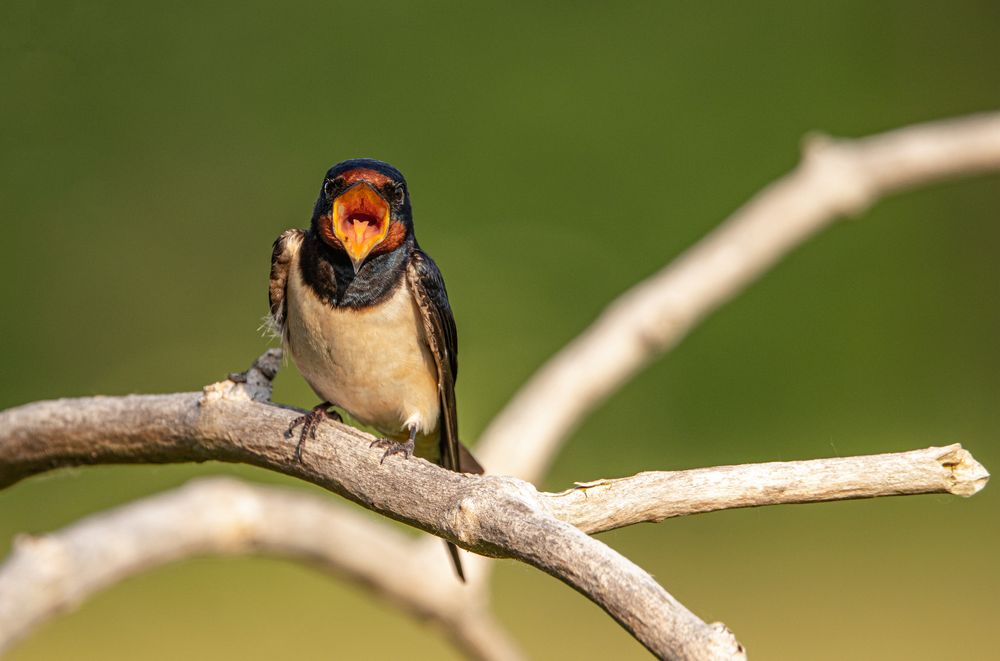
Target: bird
<point>364,314</point>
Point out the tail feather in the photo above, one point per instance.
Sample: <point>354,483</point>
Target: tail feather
<point>467,463</point>
<point>457,561</point>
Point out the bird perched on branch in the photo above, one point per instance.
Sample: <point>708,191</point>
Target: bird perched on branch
<point>364,313</point>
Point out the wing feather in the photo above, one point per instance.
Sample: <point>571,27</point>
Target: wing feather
<point>286,247</point>
<point>428,288</point>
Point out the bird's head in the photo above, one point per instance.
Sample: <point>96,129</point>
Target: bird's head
<point>363,209</point>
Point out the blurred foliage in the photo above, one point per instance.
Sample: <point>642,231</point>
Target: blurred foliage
<point>557,154</point>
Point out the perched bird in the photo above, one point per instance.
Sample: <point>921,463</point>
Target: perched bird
<point>364,313</point>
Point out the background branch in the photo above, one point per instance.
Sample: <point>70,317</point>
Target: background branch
<point>219,516</point>
<point>836,178</point>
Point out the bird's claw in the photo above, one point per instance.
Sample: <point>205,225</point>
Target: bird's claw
<point>310,423</point>
<point>393,447</point>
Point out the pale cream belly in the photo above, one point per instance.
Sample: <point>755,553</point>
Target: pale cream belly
<point>373,363</point>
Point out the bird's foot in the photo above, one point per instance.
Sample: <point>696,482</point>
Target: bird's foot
<point>310,422</point>
<point>393,447</point>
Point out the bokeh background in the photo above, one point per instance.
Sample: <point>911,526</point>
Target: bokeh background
<point>557,154</point>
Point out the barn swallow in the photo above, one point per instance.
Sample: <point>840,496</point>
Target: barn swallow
<point>364,314</point>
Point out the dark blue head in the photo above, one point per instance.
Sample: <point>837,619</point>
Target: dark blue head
<point>363,209</point>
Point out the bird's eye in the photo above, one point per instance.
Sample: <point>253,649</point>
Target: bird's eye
<point>398,194</point>
<point>330,186</point>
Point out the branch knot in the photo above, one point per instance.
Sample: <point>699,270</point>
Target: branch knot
<point>473,518</point>
<point>254,385</point>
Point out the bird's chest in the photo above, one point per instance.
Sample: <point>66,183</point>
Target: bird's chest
<point>374,362</point>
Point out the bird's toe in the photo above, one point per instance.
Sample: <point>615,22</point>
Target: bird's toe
<point>393,447</point>
<point>310,423</point>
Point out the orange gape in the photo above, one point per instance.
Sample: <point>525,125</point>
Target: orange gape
<point>360,219</point>
<point>394,237</point>
<point>326,229</point>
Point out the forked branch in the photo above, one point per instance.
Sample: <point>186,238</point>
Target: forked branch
<point>491,515</point>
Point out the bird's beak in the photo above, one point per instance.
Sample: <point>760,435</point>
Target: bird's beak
<point>360,221</point>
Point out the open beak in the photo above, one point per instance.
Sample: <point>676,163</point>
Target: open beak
<point>360,221</point>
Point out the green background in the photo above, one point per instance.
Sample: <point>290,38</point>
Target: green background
<point>557,154</point>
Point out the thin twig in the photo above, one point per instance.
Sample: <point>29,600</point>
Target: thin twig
<point>602,505</point>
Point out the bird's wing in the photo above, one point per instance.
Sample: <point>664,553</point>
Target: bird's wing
<point>427,285</point>
<point>286,247</point>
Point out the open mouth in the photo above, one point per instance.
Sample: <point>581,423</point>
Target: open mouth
<point>360,226</point>
<point>360,220</point>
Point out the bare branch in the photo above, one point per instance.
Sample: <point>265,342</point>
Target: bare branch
<point>836,178</point>
<point>490,515</point>
<point>607,504</point>
<point>48,575</point>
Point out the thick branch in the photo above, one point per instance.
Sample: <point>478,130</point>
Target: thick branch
<point>491,515</point>
<point>836,178</point>
<point>607,504</point>
<point>50,574</point>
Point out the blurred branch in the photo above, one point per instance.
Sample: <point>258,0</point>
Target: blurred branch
<point>218,516</point>
<point>837,178</point>
<point>491,515</point>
